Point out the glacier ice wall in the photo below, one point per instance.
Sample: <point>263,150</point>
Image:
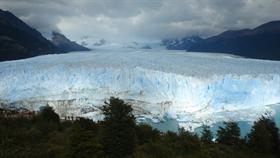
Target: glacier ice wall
<point>192,88</point>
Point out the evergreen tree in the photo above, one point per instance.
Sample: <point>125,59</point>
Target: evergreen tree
<point>230,134</point>
<point>84,144</point>
<point>206,135</point>
<point>47,120</point>
<point>264,135</point>
<point>146,134</point>
<point>119,129</point>
<point>86,124</point>
<point>188,141</point>
<point>48,114</point>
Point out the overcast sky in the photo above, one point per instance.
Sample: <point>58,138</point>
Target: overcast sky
<point>133,20</point>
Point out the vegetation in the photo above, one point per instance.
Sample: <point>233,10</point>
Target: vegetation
<point>118,136</point>
<point>264,136</point>
<point>206,135</point>
<point>230,134</point>
<point>118,129</point>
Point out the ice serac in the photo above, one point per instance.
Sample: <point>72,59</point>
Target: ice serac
<point>192,88</point>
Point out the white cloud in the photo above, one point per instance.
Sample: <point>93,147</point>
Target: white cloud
<point>142,19</point>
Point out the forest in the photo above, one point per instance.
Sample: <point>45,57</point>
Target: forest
<point>45,135</point>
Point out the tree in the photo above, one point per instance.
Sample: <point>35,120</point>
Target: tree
<point>145,134</point>
<point>230,134</point>
<point>86,124</point>
<point>84,143</point>
<point>119,129</point>
<point>188,141</point>
<point>206,135</point>
<point>47,120</point>
<point>48,114</point>
<point>155,149</point>
<point>264,135</point>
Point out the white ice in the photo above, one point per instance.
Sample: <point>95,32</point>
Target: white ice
<point>193,88</point>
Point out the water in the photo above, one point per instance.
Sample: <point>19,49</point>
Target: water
<point>245,126</point>
<point>164,126</point>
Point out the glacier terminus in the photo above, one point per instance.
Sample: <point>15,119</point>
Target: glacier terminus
<point>191,88</point>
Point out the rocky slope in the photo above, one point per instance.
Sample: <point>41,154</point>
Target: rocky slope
<point>18,40</point>
<point>64,44</point>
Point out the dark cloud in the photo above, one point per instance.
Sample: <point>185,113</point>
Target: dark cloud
<point>142,19</point>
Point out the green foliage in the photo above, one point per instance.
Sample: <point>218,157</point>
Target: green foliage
<point>188,141</point>
<point>84,144</point>
<point>46,136</point>
<point>230,134</point>
<point>146,134</point>
<point>47,120</point>
<point>119,129</point>
<point>85,124</point>
<point>47,114</point>
<point>206,135</point>
<point>264,136</point>
<point>155,150</point>
<point>84,140</point>
<point>20,138</point>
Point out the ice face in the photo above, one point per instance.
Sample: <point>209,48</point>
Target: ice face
<point>192,88</point>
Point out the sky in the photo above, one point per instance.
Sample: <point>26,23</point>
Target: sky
<point>142,20</point>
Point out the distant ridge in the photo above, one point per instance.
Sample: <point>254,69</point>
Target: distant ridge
<point>263,42</point>
<point>181,44</point>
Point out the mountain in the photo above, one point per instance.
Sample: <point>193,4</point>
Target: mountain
<point>181,44</point>
<point>64,44</point>
<point>100,42</point>
<point>191,88</point>
<point>18,40</point>
<point>261,42</point>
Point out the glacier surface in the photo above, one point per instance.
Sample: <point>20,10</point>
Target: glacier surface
<point>191,88</point>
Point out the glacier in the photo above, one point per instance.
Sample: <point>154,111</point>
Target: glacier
<point>191,88</point>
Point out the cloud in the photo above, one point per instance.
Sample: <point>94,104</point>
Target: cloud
<point>142,19</point>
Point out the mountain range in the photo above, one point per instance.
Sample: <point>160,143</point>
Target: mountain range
<point>262,42</point>
<point>19,41</point>
<point>181,44</point>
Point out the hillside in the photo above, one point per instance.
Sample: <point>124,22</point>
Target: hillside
<point>64,44</point>
<point>18,40</point>
<point>260,43</point>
